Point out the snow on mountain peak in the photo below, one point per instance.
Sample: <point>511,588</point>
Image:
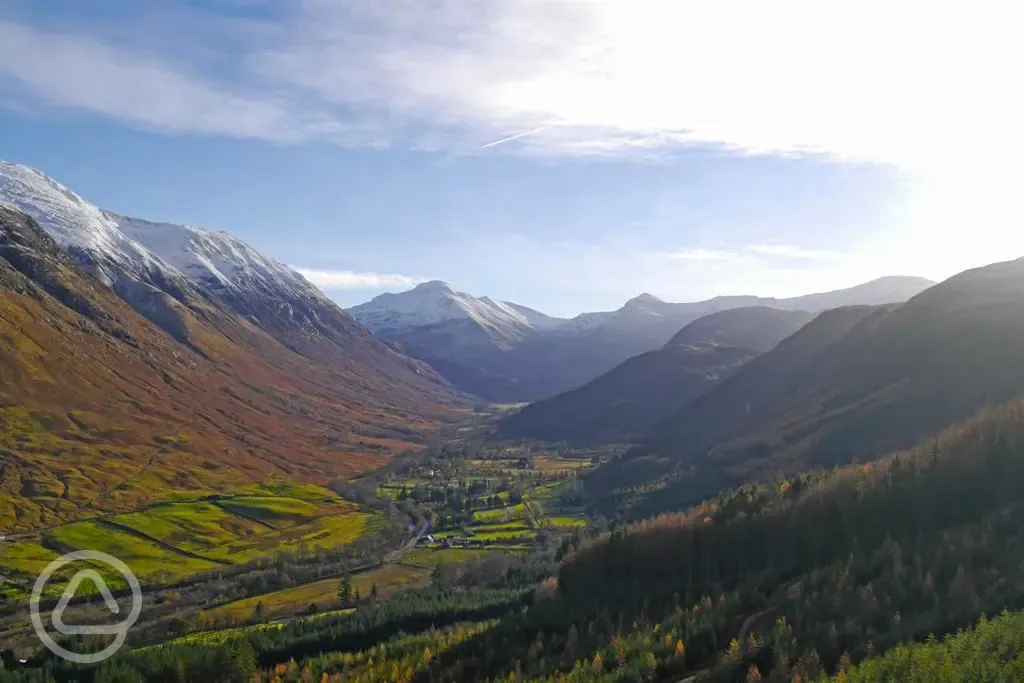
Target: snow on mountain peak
<point>76,224</point>
<point>214,259</point>
<point>435,286</point>
<point>137,247</point>
<point>435,302</point>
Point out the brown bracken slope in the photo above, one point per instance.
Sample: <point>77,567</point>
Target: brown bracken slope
<point>101,410</point>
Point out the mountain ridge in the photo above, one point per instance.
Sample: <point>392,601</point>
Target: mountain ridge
<point>100,409</point>
<point>852,384</point>
<point>174,274</point>
<point>626,403</point>
<point>481,339</point>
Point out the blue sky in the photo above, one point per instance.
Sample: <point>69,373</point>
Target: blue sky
<point>564,154</point>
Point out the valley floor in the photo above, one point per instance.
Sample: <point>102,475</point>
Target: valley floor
<point>224,565</point>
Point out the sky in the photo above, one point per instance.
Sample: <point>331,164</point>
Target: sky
<point>563,154</point>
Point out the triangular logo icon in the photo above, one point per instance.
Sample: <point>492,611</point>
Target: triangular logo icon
<point>69,593</point>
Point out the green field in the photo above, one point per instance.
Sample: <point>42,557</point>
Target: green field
<point>324,594</point>
<point>498,515</point>
<point>220,636</point>
<point>145,558</point>
<point>431,557</point>
<point>278,512</point>
<point>229,531</point>
<point>287,489</point>
<point>173,540</point>
<point>550,464</point>
<point>196,527</point>
<point>566,522</point>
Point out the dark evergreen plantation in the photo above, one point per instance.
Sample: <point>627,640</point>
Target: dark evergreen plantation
<point>802,573</point>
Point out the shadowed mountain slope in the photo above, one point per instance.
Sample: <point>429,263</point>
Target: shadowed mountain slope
<point>476,341</point>
<point>851,385</point>
<point>626,403</point>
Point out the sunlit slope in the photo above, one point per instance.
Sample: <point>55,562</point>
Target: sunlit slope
<point>102,410</point>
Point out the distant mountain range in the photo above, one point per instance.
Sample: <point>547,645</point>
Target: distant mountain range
<point>503,351</point>
<point>626,403</point>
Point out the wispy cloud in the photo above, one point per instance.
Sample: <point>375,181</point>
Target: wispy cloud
<point>582,76</point>
<point>331,280</point>
<point>510,138</point>
<point>706,255</point>
<point>790,251</point>
<point>79,72</point>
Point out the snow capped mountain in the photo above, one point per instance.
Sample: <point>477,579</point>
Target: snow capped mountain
<point>436,303</point>
<point>178,275</point>
<point>642,312</point>
<point>115,245</point>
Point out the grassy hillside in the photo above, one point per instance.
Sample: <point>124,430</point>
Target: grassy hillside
<point>101,411</point>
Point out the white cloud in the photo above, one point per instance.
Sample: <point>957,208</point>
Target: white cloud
<point>917,84</point>
<point>329,280</point>
<point>78,72</point>
<point>875,80</point>
<point>925,86</point>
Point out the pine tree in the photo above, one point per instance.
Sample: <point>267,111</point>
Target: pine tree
<point>345,588</point>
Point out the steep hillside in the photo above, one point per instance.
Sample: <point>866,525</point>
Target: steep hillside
<point>507,352</point>
<point>626,403</point>
<point>896,375</point>
<point>727,409</point>
<point>182,277</point>
<point>785,580</point>
<point>757,328</point>
<point>101,410</point>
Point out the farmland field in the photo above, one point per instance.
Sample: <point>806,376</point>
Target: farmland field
<point>229,531</point>
<point>324,593</point>
<point>146,559</point>
<point>548,464</point>
<point>430,557</point>
<point>567,522</point>
<point>170,541</point>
